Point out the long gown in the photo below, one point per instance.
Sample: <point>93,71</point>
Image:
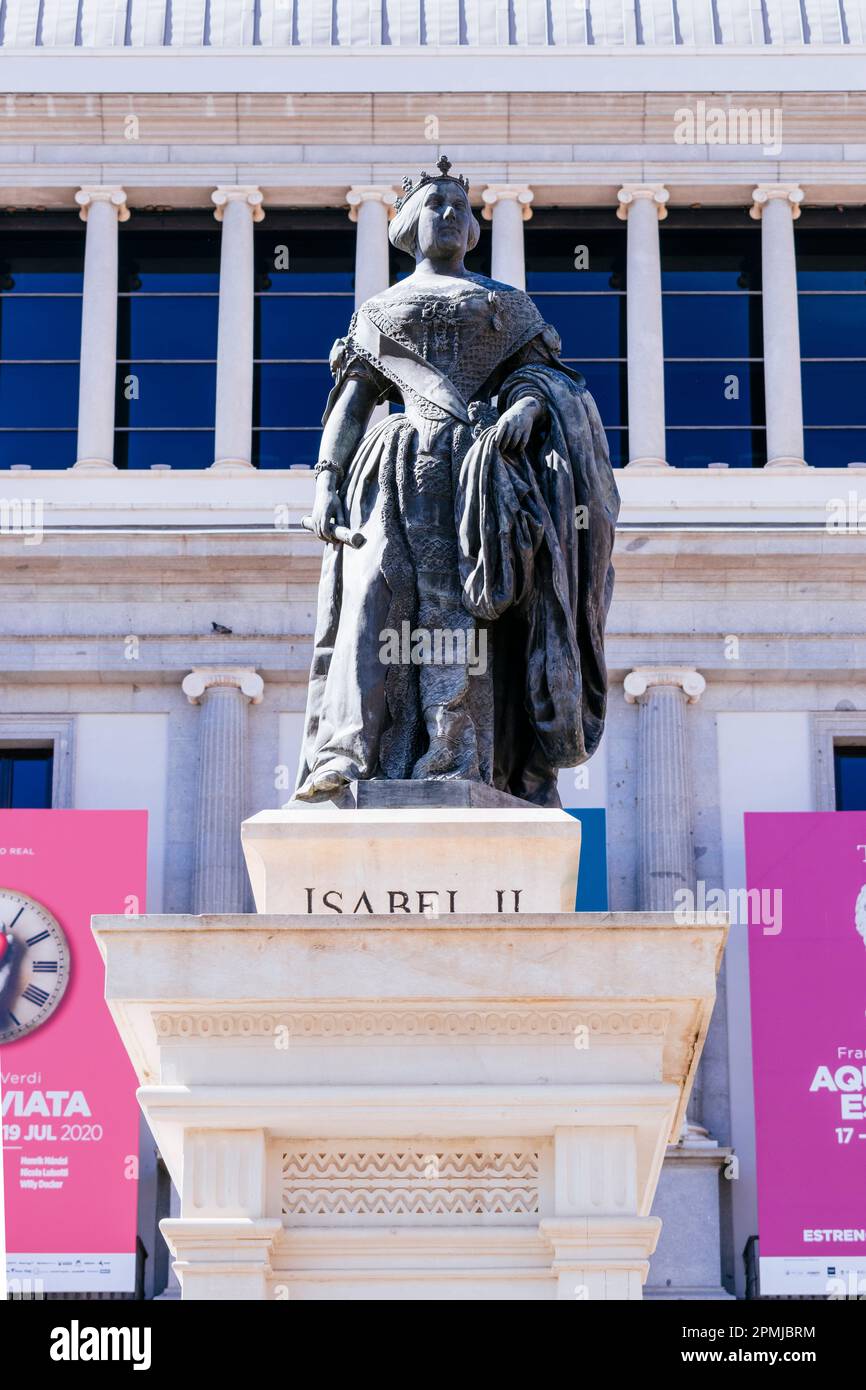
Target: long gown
<point>510,557</point>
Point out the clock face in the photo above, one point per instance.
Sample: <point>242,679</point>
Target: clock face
<point>34,965</point>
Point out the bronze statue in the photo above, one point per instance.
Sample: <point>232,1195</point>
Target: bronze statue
<point>466,584</point>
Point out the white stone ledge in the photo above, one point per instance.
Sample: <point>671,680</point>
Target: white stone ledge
<point>458,69</point>
<point>276,499</point>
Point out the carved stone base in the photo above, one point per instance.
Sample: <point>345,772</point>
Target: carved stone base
<point>434,860</point>
<point>397,1108</point>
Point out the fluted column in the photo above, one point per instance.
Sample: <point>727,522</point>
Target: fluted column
<point>777,206</point>
<point>666,856</point>
<point>666,851</point>
<point>101,208</point>
<point>507,207</point>
<point>237,208</point>
<point>220,880</point>
<point>643,207</point>
<point>369,209</point>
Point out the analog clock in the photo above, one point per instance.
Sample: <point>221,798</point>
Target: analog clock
<point>34,964</point>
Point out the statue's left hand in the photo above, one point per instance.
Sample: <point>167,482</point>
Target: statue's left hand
<point>515,426</point>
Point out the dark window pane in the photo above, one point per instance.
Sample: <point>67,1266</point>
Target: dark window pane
<point>168,394</point>
<point>834,393</point>
<point>832,325</point>
<point>140,449</point>
<point>168,327</point>
<point>850,769</point>
<point>38,448</point>
<point>698,448</point>
<point>589,325</point>
<point>711,260</point>
<point>574,259</point>
<point>36,327</point>
<point>835,448</point>
<point>712,325</point>
<point>713,393</point>
<point>290,394</point>
<point>830,260</point>
<point>25,778</point>
<point>617,444</point>
<point>285,448</point>
<point>31,262</point>
<point>608,385</point>
<point>305,259</point>
<point>169,260</point>
<point>303,326</point>
<point>38,395</point>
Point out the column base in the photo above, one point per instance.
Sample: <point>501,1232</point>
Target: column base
<point>221,1258</point>
<point>785,465</point>
<point>238,466</point>
<point>93,466</point>
<point>648,465</point>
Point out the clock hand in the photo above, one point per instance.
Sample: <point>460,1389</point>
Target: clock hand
<point>14,919</point>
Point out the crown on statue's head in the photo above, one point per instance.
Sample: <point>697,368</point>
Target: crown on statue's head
<point>411,186</point>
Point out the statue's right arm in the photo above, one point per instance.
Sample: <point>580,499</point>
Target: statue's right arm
<point>342,433</point>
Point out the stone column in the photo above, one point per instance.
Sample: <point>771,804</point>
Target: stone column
<point>507,207</point>
<point>666,856</point>
<point>220,879</point>
<point>643,206</point>
<point>237,208</point>
<point>777,206</point>
<point>101,208</point>
<point>666,853</point>
<point>369,209</point>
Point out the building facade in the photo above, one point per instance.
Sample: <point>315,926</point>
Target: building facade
<point>195,195</point>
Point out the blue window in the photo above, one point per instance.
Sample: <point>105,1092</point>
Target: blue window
<point>711,317</point>
<point>831,285</point>
<point>576,277</point>
<point>850,772</point>
<point>41,280</point>
<point>26,778</point>
<point>168,310</point>
<point>304,300</point>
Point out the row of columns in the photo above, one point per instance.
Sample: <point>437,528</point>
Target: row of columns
<point>507,207</point>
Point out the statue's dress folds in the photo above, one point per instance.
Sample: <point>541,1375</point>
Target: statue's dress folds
<point>513,554</point>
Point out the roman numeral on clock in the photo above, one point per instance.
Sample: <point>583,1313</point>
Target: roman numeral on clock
<point>35,995</point>
<point>40,936</point>
<point>48,967</point>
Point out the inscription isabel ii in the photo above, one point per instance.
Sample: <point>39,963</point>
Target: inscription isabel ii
<point>425,902</point>
<point>483,511</point>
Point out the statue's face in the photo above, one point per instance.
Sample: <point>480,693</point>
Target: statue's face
<point>444,222</point>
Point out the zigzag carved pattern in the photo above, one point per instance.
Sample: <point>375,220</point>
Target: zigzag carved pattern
<point>409,1182</point>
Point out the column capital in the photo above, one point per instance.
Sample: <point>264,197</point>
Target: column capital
<point>644,678</point>
<point>238,193</point>
<point>102,193</point>
<point>790,193</point>
<point>518,193</point>
<point>242,678</point>
<point>642,192</point>
<point>370,193</point>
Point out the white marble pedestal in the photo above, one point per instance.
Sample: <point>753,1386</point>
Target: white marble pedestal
<point>409,1106</point>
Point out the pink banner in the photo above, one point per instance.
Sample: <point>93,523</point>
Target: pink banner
<point>807,966</point>
<point>70,1116</point>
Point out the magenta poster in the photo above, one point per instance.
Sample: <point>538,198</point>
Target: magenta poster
<point>70,1116</point>
<point>807,964</point>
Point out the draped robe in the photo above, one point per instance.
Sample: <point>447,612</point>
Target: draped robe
<point>506,558</point>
